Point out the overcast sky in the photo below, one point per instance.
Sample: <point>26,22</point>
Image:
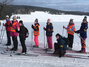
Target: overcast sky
<point>69,5</point>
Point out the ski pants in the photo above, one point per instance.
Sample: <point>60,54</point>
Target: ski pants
<point>36,40</point>
<point>8,38</point>
<point>22,40</point>
<point>49,40</point>
<point>15,42</point>
<point>83,44</point>
<point>71,38</point>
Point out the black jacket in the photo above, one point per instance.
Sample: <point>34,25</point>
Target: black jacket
<point>21,32</point>
<point>49,27</point>
<point>62,45</point>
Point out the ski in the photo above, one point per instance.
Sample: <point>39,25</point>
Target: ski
<point>74,51</point>
<point>78,57</point>
<point>20,54</point>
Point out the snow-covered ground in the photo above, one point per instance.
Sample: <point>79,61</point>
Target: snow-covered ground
<point>46,61</point>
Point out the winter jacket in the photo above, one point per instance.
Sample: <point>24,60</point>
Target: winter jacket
<point>15,25</point>
<point>22,32</point>
<point>83,30</point>
<point>49,30</point>
<point>71,29</point>
<point>7,24</point>
<point>36,29</point>
<point>62,44</point>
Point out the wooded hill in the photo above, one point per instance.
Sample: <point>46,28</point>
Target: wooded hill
<point>21,9</point>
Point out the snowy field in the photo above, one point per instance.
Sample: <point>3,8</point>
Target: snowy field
<point>46,61</point>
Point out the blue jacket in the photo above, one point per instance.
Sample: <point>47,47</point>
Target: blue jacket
<point>62,44</point>
<point>83,30</point>
<point>50,27</point>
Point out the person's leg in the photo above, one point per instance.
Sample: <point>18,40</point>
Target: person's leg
<point>15,42</point>
<point>56,48</point>
<point>22,40</point>
<point>36,40</point>
<point>50,42</point>
<point>70,37</point>
<point>83,43</point>
<point>8,38</point>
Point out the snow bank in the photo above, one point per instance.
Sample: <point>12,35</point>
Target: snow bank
<point>43,16</point>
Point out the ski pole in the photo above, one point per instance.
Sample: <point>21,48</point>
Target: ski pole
<point>31,37</point>
<point>63,32</point>
<point>2,35</point>
<point>80,37</point>
<point>44,38</point>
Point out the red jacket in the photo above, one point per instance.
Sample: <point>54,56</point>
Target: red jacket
<point>7,25</point>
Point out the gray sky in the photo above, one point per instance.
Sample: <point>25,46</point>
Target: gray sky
<point>69,5</point>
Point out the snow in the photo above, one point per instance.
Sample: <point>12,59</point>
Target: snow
<point>45,61</point>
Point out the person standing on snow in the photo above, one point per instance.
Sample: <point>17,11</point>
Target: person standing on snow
<point>22,33</point>
<point>7,25</point>
<point>13,26</point>
<point>70,30</point>
<point>49,31</point>
<point>83,34</point>
<point>35,28</point>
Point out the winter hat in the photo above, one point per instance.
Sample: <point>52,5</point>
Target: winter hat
<point>14,17</point>
<point>36,20</point>
<point>58,34</point>
<point>21,21</point>
<point>71,19</point>
<point>48,20</point>
<point>84,19</point>
<point>7,16</point>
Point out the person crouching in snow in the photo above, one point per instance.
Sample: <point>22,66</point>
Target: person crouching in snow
<point>22,33</point>
<point>83,34</point>
<point>61,45</point>
<point>49,31</point>
<point>70,30</point>
<point>35,28</point>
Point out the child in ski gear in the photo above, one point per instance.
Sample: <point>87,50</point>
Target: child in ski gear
<point>22,36</point>
<point>70,30</point>
<point>60,45</point>
<point>35,28</point>
<point>7,25</point>
<point>83,34</point>
<point>49,31</point>
<point>13,26</point>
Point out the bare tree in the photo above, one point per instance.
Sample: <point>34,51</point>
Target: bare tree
<point>3,4</point>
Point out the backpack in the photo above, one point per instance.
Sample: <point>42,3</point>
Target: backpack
<point>66,40</point>
<point>26,32</point>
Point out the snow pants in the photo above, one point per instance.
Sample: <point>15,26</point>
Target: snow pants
<point>8,38</point>
<point>83,44</point>
<point>70,37</point>
<point>36,40</point>
<point>15,42</point>
<point>22,40</point>
<point>49,41</point>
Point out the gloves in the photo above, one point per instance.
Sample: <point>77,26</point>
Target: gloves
<point>63,26</point>
<point>16,30</point>
<point>44,28</point>
<point>32,26</point>
<point>76,31</point>
<point>10,24</point>
<point>49,30</point>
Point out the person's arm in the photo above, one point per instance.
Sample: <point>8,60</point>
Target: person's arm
<point>36,29</point>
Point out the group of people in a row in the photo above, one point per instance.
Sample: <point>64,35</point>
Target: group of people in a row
<point>12,30</point>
